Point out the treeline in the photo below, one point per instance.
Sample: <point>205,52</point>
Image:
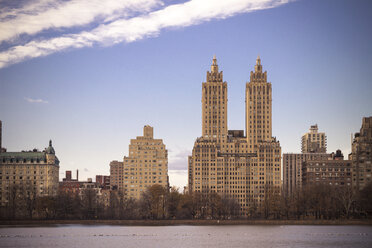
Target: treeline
<point>156,202</point>
<point>316,202</point>
<point>322,202</point>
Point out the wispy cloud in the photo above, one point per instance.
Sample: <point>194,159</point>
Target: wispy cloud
<point>126,30</point>
<point>30,100</point>
<point>40,15</point>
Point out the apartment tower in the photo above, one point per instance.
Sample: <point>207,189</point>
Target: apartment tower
<point>265,169</point>
<point>313,148</point>
<point>214,105</point>
<point>146,165</point>
<point>258,107</point>
<point>227,162</point>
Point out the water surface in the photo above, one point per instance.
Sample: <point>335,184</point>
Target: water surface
<point>186,236</point>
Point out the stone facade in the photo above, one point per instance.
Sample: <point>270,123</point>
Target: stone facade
<point>266,167</point>
<point>227,162</point>
<point>214,105</point>
<point>258,99</point>
<point>361,155</point>
<point>26,174</point>
<point>146,165</point>
<point>335,171</point>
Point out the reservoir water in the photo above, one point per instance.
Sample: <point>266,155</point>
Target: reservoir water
<point>186,236</point>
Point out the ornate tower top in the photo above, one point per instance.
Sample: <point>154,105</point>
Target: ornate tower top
<point>214,105</point>
<point>258,66</point>
<point>257,75</point>
<point>50,149</point>
<point>214,66</point>
<point>214,75</point>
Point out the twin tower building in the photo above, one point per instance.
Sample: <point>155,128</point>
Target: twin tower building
<point>233,164</point>
<point>243,166</point>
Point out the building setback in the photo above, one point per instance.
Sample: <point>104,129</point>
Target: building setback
<point>28,174</point>
<point>361,155</point>
<point>146,165</point>
<point>227,162</point>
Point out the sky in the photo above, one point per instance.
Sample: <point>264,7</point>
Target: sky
<point>89,74</point>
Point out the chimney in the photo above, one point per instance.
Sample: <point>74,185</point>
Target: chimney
<point>68,176</point>
<point>77,175</point>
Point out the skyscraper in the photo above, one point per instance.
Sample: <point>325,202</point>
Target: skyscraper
<point>227,162</point>
<point>258,107</point>
<point>265,171</point>
<point>313,141</point>
<point>214,105</point>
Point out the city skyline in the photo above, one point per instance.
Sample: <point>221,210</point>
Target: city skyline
<point>82,98</point>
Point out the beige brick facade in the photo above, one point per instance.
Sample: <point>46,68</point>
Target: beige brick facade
<point>258,107</point>
<point>146,165</point>
<point>314,141</point>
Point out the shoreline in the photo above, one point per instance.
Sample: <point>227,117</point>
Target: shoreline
<point>30,223</point>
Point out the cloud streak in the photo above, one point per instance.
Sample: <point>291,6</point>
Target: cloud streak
<point>126,30</point>
<point>30,100</point>
<point>46,14</point>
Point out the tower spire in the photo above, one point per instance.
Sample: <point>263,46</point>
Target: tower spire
<point>214,67</point>
<point>258,60</point>
<point>258,66</point>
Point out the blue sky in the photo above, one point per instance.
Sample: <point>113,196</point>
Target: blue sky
<point>92,82</point>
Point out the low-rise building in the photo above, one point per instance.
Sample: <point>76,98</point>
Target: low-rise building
<point>69,185</point>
